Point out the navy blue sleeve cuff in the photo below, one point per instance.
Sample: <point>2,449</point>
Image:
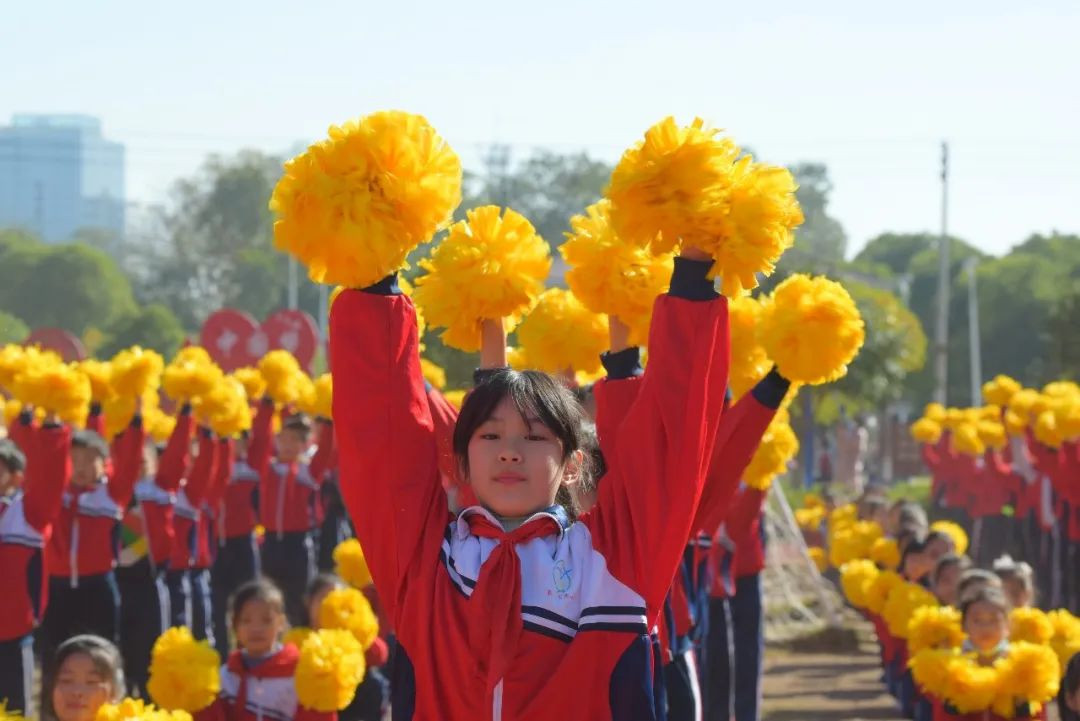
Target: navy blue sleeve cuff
<point>51,425</point>
<point>205,432</point>
<point>95,408</point>
<point>386,286</point>
<point>136,420</point>
<point>623,364</point>
<point>482,374</point>
<point>26,417</point>
<point>771,389</point>
<point>185,410</point>
<point>689,280</point>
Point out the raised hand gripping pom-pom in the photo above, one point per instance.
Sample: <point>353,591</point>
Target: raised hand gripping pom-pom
<point>811,329</point>
<point>490,266</point>
<point>330,668</point>
<point>55,387</point>
<point>136,371</point>
<point>611,276</point>
<point>184,673</point>
<point>282,374</point>
<point>561,334</point>
<point>351,207</point>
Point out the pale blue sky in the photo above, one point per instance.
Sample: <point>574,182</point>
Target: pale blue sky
<point>869,88</point>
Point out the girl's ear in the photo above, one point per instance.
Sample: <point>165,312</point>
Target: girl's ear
<point>573,467</point>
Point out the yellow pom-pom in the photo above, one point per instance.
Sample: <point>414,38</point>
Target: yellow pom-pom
<point>935,412</point>
<point>778,446</point>
<point>353,206</point>
<point>855,579</point>
<point>901,604</point>
<point>306,398</point>
<point>1046,429</point>
<point>1061,389</point>
<point>297,635</point>
<point>188,377</point>
<point>324,395</point>
<point>283,376</point>
<point>100,375</point>
<point>252,380</point>
<point>455,398</point>
<point>350,564</point>
<point>749,362</point>
<point>1000,390</point>
<point>879,589</point>
<point>136,371</point>
<point>184,673</point>
<point>926,430</point>
<point>852,542</point>
<point>886,553</point>
<point>817,555</point>
<point>225,408</point>
<point>561,334</point>
<point>611,276</point>
<point>929,668</point>
<point>6,715</point>
<point>55,387</point>
<point>969,687</point>
<point>330,668</point>
<point>348,609</point>
<point>135,710</point>
<point>433,373</point>
<point>120,409</point>
<point>992,434</point>
<point>490,266</point>
<point>934,627</point>
<point>1030,672</point>
<point>159,424</point>
<point>1031,625</point>
<point>955,532</point>
<point>811,329</point>
<point>966,440</point>
<point>1066,638</point>
<point>809,519</point>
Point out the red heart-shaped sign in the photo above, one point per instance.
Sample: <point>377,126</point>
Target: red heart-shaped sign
<point>234,339</point>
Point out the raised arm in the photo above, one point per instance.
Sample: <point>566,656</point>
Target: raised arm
<point>647,501</point>
<point>261,446</point>
<point>127,462</point>
<point>222,471</point>
<point>174,461</point>
<point>204,468</point>
<point>386,439</point>
<point>48,469</point>
<point>320,462</point>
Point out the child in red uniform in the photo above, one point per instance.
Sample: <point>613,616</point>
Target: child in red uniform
<point>83,549</point>
<point>26,518</point>
<point>513,610</point>
<point>257,679</point>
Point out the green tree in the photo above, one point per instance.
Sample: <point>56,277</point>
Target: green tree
<point>12,330</point>
<point>897,250</point>
<point>153,326</point>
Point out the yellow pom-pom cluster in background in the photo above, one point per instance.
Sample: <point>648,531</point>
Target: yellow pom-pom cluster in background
<point>811,329</point>
<point>612,276</point>
<point>55,387</point>
<point>348,609</point>
<point>283,376</point>
<point>885,552</point>
<point>135,710</point>
<point>490,266</point>
<point>817,555</point>
<point>955,532</point>
<point>1000,390</point>
<point>1030,624</point>
<point>252,380</point>
<point>926,430</point>
<point>934,627</point>
<point>350,564</point>
<point>189,376</point>
<point>855,579</point>
<point>852,541</point>
<point>778,446</point>
<point>136,371</point>
<point>100,375</point>
<point>6,715</point>
<point>330,668</point>
<point>901,604</point>
<point>879,589</point>
<point>353,206</point>
<point>561,334</point>
<point>184,672</point>
<point>1066,637</point>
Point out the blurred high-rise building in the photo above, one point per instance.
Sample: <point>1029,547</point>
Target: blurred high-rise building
<point>59,174</point>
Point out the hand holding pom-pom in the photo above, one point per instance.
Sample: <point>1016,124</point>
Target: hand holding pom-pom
<point>184,673</point>
<point>811,329</point>
<point>330,668</point>
<point>352,206</point>
<point>57,388</point>
<point>282,374</point>
<point>491,266</point>
<point>560,334</point>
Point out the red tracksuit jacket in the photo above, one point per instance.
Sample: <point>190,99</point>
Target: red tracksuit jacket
<point>265,692</point>
<point>210,527</point>
<point>26,520</point>
<point>155,497</point>
<point>737,550</point>
<point>236,516</point>
<point>589,590</point>
<point>84,539</point>
<point>288,492</point>
<point>187,516</point>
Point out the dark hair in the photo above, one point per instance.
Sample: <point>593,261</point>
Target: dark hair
<point>1070,682</point>
<point>948,561</point>
<point>908,535</point>
<point>91,440</point>
<point>11,457</point>
<point>1009,570</point>
<point>938,536</point>
<point>536,396</point>
<point>103,654</point>
<point>912,514</point>
<point>323,582</point>
<point>869,505</point>
<point>974,576</point>
<point>298,423</point>
<point>258,590</point>
<point>985,594</point>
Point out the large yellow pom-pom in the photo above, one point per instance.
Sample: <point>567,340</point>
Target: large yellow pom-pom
<point>252,380</point>
<point>225,408</point>
<point>811,329</point>
<point>55,387</point>
<point>120,409</point>
<point>1030,672</point>
<point>901,604</point>
<point>880,588</point>
<point>330,668</point>
<point>159,424</point>
<point>561,334</point>
<point>1046,429</point>
<point>348,609</point>
<point>297,635</point>
<point>955,532</point>
<point>187,378</point>
<point>282,374</point>
<point>929,669</point>
<point>992,434</point>
<point>855,579</point>
<point>969,687</point>
<point>934,627</point>
<point>749,362</point>
<point>1031,625</point>
<point>324,394</point>
<point>966,440</point>
<point>136,371</point>
<point>611,276</point>
<point>184,673</point>
<point>885,552</point>
<point>1000,390</point>
<point>350,564</point>
<point>352,206</point>
<point>135,710</point>
<point>490,266</point>
<point>778,446</point>
<point>853,541</point>
<point>100,375</point>
<point>1066,638</point>
<point>926,430</point>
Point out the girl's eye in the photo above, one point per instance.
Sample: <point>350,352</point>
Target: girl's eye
<point>489,436</point>
<point>535,437</point>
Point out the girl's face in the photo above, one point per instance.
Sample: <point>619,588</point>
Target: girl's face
<point>986,625</point>
<point>1017,593</point>
<point>81,689</point>
<point>515,464</point>
<point>936,549</point>
<point>945,586</point>
<point>258,627</point>
<point>314,604</point>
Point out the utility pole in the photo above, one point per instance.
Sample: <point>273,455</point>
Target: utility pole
<point>973,332</point>
<point>941,344</point>
<point>294,288</point>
